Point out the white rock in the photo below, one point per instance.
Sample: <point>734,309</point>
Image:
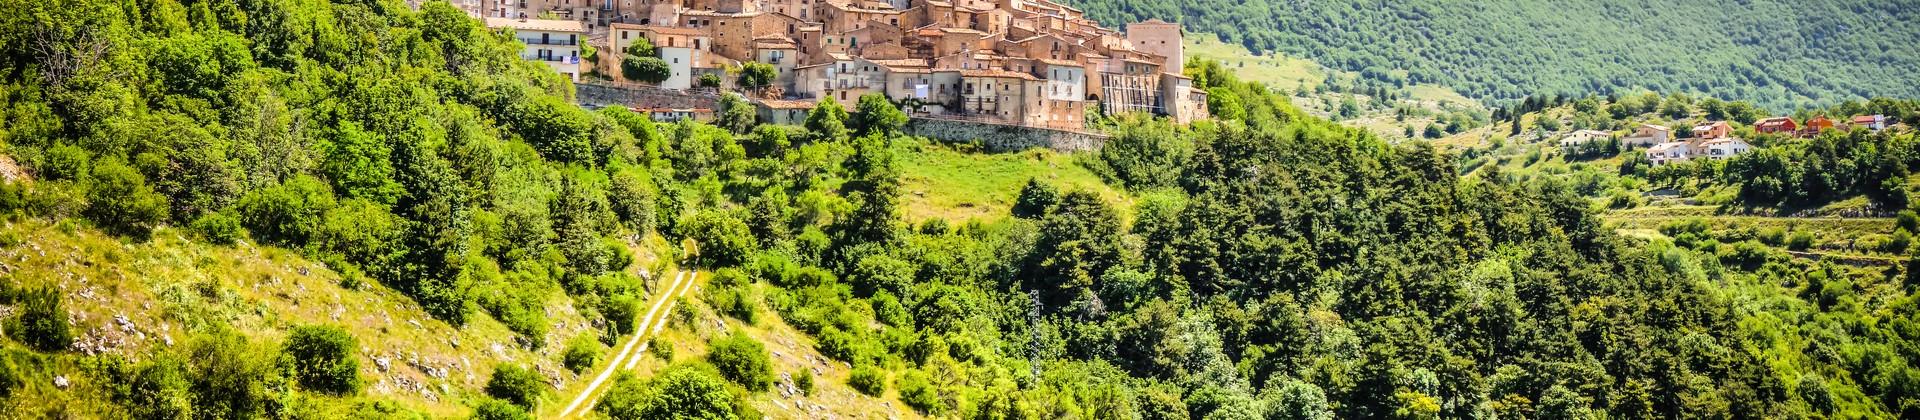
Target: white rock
<point>61,382</point>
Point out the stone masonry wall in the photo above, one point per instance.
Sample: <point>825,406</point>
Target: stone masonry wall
<point>1004,137</point>
<point>598,94</point>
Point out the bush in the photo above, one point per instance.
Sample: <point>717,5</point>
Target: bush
<point>804,381</point>
<point>122,202</point>
<point>229,376</point>
<point>917,391</point>
<point>724,240</point>
<point>681,392</point>
<point>323,359</point>
<point>1035,199</point>
<point>1800,241</point>
<point>65,163</point>
<point>582,353</point>
<point>661,348</point>
<point>868,380</point>
<point>42,323</point>
<point>10,376</point>
<point>286,214</point>
<point>742,360</point>
<point>497,409</point>
<point>160,390</point>
<point>219,229</point>
<point>516,384</point>
<point>621,312</point>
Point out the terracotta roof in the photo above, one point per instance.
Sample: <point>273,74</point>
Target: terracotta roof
<point>672,30</point>
<point>786,104</point>
<point>997,73</point>
<point>1068,63</point>
<point>548,25</point>
<point>1154,21</point>
<point>775,44</point>
<point>1865,119</point>
<point>1775,121</point>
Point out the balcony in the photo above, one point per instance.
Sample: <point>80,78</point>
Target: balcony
<point>549,41</point>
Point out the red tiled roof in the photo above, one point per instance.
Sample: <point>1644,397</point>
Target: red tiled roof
<point>997,74</point>
<point>786,104</point>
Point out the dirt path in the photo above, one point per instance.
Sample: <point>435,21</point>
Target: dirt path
<point>635,348</point>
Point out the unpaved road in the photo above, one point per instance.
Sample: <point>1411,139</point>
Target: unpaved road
<point>635,348</point>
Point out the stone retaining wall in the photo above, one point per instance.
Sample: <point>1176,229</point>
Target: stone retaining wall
<point>1004,137</point>
<point>599,94</point>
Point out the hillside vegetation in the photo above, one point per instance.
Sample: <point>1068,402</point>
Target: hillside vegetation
<point>1265,264</point>
<point>1780,54</point>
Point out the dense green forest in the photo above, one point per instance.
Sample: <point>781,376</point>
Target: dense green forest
<point>1273,265</point>
<point>1781,54</point>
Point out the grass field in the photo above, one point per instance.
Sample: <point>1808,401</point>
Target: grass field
<point>941,182</point>
<point>170,287</point>
<point>1832,235</point>
<point>1278,71</point>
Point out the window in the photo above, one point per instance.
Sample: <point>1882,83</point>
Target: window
<point>623,35</point>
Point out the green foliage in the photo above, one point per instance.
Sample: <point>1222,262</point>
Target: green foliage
<point>1147,153</point>
<point>679,392</point>
<point>1512,51</point>
<point>119,198</point>
<point>742,360</point>
<point>735,114</point>
<point>1035,200</point>
<point>582,353</point>
<point>498,409</point>
<point>804,381</point>
<point>709,80</point>
<point>641,47</point>
<point>516,384</point>
<point>868,379</point>
<point>324,359</point>
<point>286,214</point>
<point>875,114</point>
<point>756,75</point>
<point>917,390</point>
<point>42,321</point>
<point>827,120</point>
<point>724,239</point>
<point>645,69</point>
<point>219,229</point>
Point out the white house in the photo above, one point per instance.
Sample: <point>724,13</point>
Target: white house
<point>1722,148</point>
<point>551,41</point>
<point>1648,135</point>
<point>1687,150</point>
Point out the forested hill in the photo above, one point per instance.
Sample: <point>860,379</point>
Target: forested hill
<point>1777,53</point>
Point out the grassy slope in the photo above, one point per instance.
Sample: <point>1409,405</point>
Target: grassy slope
<point>1301,76</point>
<point>944,183</point>
<point>172,285</point>
<point>790,351</point>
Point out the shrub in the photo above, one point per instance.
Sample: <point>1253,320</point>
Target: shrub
<point>229,376</point>
<point>218,228</point>
<point>1800,241</point>
<point>1773,236</point>
<point>742,360</point>
<point>42,323</point>
<point>516,384</point>
<point>661,348</point>
<point>621,312</point>
<point>1898,242</point>
<point>582,353</point>
<point>804,381</point>
<point>160,390</point>
<point>1035,199</point>
<point>122,202</point>
<point>868,380</point>
<point>65,163</point>
<point>724,239</point>
<point>888,310</point>
<point>286,214</point>
<point>917,391</point>
<point>323,359</point>
<point>497,409</point>
<point>681,392</point>
<point>10,379</point>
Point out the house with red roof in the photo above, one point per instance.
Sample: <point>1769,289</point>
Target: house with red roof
<point>1776,125</point>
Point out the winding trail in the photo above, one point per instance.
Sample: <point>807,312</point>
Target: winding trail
<point>631,353</point>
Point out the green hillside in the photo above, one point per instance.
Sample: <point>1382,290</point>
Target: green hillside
<point>1777,53</point>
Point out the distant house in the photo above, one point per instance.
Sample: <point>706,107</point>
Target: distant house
<point>1648,135</point>
<point>1776,125</point>
<point>774,111</point>
<point>1583,137</point>
<point>1690,149</point>
<point>1871,122</point>
<point>1712,130</point>
<point>1669,152</point>
<point>1723,148</point>
<point>1815,125</point>
<point>551,41</point>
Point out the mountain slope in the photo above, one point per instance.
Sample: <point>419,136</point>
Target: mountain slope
<point>1780,54</point>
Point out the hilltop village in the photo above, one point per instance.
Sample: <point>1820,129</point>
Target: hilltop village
<point>1032,63</point>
